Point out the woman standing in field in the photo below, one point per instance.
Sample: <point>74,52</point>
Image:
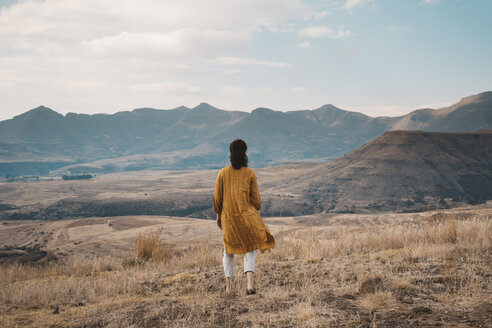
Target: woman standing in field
<point>237,204</point>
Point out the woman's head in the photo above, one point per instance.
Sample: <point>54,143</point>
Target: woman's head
<point>238,155</point>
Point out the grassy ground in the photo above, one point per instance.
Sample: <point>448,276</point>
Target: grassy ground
<point>436,272</point>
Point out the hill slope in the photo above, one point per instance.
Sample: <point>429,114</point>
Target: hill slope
<point>42,140</point>
<point>405,170</point>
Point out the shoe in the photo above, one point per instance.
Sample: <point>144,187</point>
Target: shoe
<point>250,291</point>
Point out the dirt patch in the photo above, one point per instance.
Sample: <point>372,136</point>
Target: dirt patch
<point>25,255</point>
<point>371,285</point>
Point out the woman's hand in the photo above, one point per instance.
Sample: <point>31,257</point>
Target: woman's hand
<point>219,221</point>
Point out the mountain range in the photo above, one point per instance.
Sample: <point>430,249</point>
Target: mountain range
<point>42,141</point>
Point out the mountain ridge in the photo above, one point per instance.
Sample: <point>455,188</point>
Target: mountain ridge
<point>463,101</point>
<point>198,137</point>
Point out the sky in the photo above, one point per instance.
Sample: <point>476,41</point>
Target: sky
<point>378,57</point>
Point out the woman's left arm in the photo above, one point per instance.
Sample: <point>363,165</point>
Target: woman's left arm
<point>219,221</point>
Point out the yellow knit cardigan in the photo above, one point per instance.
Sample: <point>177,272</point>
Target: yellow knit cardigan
<point>237,199</point>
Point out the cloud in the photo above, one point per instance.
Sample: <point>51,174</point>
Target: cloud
<point>89,18</point>
<point>88,54</point>
<point>322,14</point>
<point>165,87</point>
<point>352,4</point>
<point>313,32</point>
<point>54,27</point>
<point>305,44</point>
<point>250,61</point>
<point>298,89</point>
<point>188,42</point>
<point>430,2</point>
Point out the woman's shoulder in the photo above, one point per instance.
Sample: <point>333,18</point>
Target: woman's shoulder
<point>250,171</point>
<point>245,169</point>
<point>224,169</point>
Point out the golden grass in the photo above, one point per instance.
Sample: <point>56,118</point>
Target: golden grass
<point>361,276</point>
<point>148,246</point>
<point>304,311</point>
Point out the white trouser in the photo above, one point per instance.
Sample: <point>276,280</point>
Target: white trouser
<point>228,261</point>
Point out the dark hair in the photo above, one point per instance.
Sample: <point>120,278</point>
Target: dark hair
<point>238,155</point>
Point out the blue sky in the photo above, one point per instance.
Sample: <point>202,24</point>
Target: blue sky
<point>374,56</point>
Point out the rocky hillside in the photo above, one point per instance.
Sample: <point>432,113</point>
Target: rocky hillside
<point>406,170</point>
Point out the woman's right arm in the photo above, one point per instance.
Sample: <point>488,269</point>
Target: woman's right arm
<point>218,194</point>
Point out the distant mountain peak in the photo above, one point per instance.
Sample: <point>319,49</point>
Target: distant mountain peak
<point>43,109</point>
<point>182,108</point>
<point>205,107</point>
<point>40,111</point>
<point>480,97</point>
<point>144,110</point>
<point>329,107</point>
<point>262,110</point>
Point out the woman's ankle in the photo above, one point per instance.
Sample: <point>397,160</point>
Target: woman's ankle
<point>228,284</point>
<point>250,280</point>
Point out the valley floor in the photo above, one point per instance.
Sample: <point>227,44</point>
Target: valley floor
<point>388,270</point>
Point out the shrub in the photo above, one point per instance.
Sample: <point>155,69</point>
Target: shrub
<point>149,247</point>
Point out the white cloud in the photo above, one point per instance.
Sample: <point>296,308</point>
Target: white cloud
<point>87,54</point>
<point>312,32</point>
<point>140,27</point>
<point>305,44</point>
<point>298,89</point>
<point>165,87</point>
<point>188,42</point>
<point>86,19</point>
<point>430,2</point>
<point>322,14</point>
<point>352,4</point>
<point>250,61</point>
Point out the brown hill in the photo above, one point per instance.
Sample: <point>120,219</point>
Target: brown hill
<point>406,170</point>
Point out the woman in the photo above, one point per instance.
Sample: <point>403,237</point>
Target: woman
<point>237,202</point>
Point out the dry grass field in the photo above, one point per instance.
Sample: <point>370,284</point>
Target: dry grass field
<point>419,270</point>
